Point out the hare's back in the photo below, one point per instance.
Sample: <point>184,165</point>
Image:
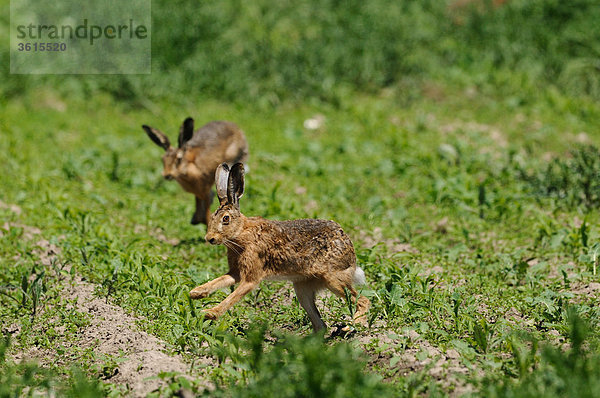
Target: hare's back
<point>319,241</point>
<point>217,134</point>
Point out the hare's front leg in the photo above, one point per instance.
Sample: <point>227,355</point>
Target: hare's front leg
<point>209,287</point>
<point>244,288</point>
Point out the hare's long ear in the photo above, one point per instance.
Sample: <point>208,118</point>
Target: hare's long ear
<point>186,131</point>
<point>221,178</point>
<point>157,136</point>
<point>235,184</point>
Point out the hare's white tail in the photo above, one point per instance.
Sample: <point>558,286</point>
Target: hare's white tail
<point>359,276</point>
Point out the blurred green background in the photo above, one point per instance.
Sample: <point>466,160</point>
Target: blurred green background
<point>269,52</point>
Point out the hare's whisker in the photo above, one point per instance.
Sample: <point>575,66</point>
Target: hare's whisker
<point>233,243</point>
<point>233,248</point>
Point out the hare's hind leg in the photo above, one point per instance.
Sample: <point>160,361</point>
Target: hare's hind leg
<point>209,287</point>
<point>202,213</point>
<point>305,291</point>
<point>362,306</point>
<point>337,283</point>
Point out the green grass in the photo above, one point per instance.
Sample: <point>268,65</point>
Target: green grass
<point>268,53</point>
<point>461,140</point>
<point>502,240</point>
<point>28,379</point>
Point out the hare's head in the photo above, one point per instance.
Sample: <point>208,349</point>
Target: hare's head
<point>175,161</point>
<point>227,222</point>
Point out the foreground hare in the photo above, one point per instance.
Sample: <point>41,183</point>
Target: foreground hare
<point>199,153</point>
<point>313,254</point>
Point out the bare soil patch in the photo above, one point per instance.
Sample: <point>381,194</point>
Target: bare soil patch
<point>407,353</point>
<point>590,289</point>
<point>114,332</point>
<point>111,332</point>
<point>14,208</point>
<point>28,232</point>
<point>156,233</point>
<point>372,238</point>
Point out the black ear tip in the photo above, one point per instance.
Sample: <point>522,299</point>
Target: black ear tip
<point>145,127</point>
<point>239,166</point>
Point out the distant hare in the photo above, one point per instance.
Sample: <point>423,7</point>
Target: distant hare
<point>193,163</point>
<point>313,254</point>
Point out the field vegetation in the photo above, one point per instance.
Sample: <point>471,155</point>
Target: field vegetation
<point>456,142</point>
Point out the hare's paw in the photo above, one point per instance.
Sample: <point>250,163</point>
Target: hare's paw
<point>199,292</point>
<point>362,307</point>
<point>361,320</point>
<point>211,313</point>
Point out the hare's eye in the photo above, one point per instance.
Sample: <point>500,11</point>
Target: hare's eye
<point>225,220</point>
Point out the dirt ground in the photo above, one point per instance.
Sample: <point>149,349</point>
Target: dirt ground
<point>110,332</point>
<point>113,332</point>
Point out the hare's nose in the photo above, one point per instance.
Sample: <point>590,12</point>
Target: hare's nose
<point>168,177</point>
<point>212,241</point>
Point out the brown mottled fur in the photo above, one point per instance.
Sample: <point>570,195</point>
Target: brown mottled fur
<point>194,162</point>
<point>313,254</point>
